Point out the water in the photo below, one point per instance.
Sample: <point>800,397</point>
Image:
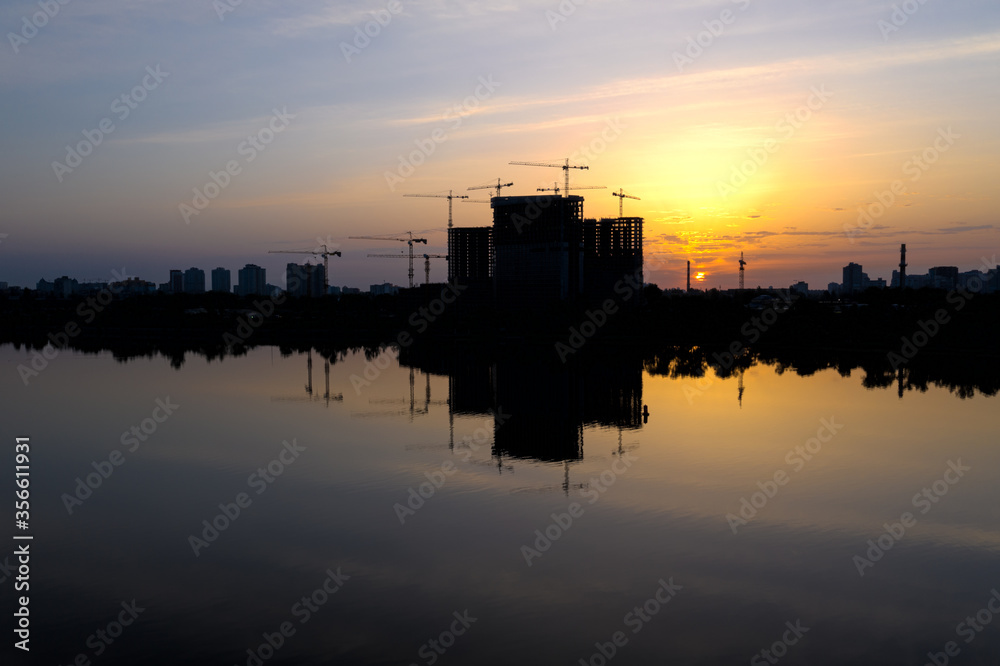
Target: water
<point>632,511</point>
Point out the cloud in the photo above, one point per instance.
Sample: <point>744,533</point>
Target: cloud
<point>959,229</point>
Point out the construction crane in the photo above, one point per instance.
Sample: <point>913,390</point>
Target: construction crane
<point>498,186</point>
<point>448,196</point>
<point>565,167</point>
<point>326,262</point>
<point>742,264</point>
<point>427,262</point>
<point>409,240</point>
<point>621,200</point>
<point>580,187</point>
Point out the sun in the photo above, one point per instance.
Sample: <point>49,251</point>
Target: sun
<point>700,277</point>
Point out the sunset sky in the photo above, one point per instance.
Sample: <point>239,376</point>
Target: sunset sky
<point>765,137</point>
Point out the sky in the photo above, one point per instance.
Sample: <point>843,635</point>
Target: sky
<point>141,136</point>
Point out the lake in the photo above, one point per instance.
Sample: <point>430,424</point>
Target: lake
<point>499,509</point>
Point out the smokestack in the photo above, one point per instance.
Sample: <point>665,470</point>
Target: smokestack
<point>902,266</point>
<point>689,276</point>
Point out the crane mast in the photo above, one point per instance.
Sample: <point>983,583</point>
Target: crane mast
<point>409,240</point>
<point>621,200</point>
<point>448,196</point>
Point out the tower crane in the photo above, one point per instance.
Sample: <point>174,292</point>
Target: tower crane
<point>409,240</point>
<point>326,261</point>
<point>742,264</point>
<point>621,199</point>
<point>427,262</point>
<point>565,167</point>
<point>499,186</point>
<point>448,196</point>
<point>580,187</point>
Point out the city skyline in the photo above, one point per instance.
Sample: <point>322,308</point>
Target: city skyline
<point>233,282</point>
<point>803,138</point>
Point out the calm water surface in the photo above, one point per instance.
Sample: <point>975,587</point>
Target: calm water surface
<point>566,527</point>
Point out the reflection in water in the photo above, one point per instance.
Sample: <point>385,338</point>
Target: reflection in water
<point>309,397</point>
<point>520,437</point>
<point>962,374</point>
<point>550,403</point>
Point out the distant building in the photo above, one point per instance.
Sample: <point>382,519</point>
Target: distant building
<point>943,277</point>
<point>854,279</point>
<point>833,288</point>
<point>383,289</point>
<point>194,281</point>
<point>176,281</point>
<point>252,281</point>
<point>66,286</point>
<point>306,280</point>
<point>800,287</point>
<point>349,290</point>
<point>221,279</point>
<point>992,283</point>
<point>133,287</point>
<point>913,281</point>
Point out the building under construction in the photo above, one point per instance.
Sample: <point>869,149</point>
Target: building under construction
<point>540,250</point>
<point>537,249</point>
<point>470,254</point>
<point>612,250</point>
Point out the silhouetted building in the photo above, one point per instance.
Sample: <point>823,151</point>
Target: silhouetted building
<point>537,249</point>
<point>612,255</point>
<point>176,281</point>
<point>853,279</point>
<point>194,281</point>
<point>62,287</point>
<point>943,277</point>
<point>383,289</point>
<point>133,287</point>
<point>221,280</point>
<point>470,254</point>
<point>305,280</point>
<point>252,281</point>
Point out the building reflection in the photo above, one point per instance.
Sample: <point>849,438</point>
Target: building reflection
<point>549,404</point>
